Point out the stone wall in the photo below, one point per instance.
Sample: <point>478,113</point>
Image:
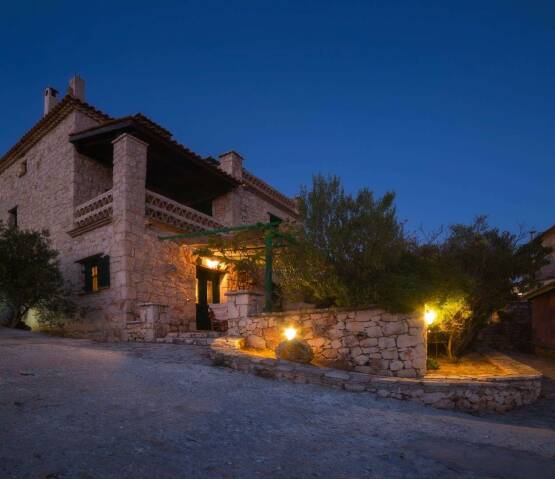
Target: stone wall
<point>250,202</point>
<point>516,386</point>
<point>243,206</point>
<point>92,178</point>
<point>366,340</point>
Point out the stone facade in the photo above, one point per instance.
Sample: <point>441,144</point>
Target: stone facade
<point>366,340</point>
<point>93,206</point>
<point>516,386</point>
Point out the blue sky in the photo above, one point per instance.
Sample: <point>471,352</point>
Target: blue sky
<point>449,104</point>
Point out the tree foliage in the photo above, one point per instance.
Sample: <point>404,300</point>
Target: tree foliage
<point>345,246</point>
<point>241,252</point>
<point>481,269</point>
<point>30,276</point>
<point>352,251</point>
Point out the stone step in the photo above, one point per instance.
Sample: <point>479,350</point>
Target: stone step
<point>193,338</point>
<point>196,334</point>
<point>194,341</point>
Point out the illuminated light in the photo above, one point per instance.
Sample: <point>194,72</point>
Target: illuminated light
<point>212,263</point>
<point>290,333</point>
<point>430,316</point>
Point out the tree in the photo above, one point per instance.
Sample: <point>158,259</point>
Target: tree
<point>345,246</point>
<point>352,251</point>
<point>30,276</point>
<point>482,269</point>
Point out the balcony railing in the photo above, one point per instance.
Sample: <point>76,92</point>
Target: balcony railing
<point>98,210</point>
<point>170,212</point>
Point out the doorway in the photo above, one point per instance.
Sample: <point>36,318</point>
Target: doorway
<point>208,292</point>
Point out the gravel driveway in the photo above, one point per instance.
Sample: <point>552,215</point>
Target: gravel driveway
<point>78,409</point>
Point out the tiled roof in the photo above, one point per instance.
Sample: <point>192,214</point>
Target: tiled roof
<point>138,118</point>
<point>547,232</point>
<point>143,123</point>
<point>70,103</point>
<point>47,123</point>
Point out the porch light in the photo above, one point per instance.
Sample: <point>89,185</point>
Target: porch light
<point>430,315</point>
<point>290,333</point>
<point>212,263</point>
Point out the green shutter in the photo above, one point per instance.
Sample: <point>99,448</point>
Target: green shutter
<point>88,276</point>
<point>104,272</point>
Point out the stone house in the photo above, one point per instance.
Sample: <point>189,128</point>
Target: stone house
<point>107,189</point>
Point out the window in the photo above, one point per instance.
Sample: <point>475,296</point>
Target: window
<point>96,273</point>
<point>12,218</point>
<point>275,219</point>
<point>22,169</point>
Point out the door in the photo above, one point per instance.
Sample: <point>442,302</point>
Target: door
<point>208,292</point>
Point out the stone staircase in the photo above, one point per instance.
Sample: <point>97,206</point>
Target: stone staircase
<point>195,338</point>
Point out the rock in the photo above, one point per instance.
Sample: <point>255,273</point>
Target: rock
<point>368,342</point>
<point>389,354</point>
<point>395,328</point>
<point>386,343</point>
<point>336,374</point>
<point>295,350</point>
<point>396,365</point>
<point>374,332</point>
<point>317,342</point>
<point>406,341</point>
<point>361,360</point>
<point>256,342</point>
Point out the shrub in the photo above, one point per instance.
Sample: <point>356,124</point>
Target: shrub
<point>30,277</point>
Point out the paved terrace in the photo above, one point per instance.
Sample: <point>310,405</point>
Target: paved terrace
<point>78,409</point>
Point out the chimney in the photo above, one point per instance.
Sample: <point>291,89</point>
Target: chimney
<point>232,163</point>
<point>50,100</point>
<point>77,87</point>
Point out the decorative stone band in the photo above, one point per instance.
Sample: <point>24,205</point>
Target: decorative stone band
<point>516,386</point>
<point>93,213</point>
<point>162,209</point>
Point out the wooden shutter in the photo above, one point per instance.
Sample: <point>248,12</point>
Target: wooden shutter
<point>104,272</point>
<point>88,276</point>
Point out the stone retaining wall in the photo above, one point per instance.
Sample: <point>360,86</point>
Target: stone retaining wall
<point>367,340</point>
<point>516,386</point>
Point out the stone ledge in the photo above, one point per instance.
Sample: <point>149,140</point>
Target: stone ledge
<point>480,395</point>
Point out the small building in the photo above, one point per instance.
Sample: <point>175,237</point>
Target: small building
<point>107,189</point>
<point>543,302</point>
<point>543,319</point>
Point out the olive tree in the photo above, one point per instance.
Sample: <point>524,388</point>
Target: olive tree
<point>345,246</point>
<point>30,277</point>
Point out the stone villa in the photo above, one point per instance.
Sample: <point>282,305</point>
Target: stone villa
<point>106,189</point>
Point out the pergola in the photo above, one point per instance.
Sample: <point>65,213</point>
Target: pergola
<point>271,233</point>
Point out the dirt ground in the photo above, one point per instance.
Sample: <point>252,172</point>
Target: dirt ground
<point>471,365</point>
<point>78,409</point>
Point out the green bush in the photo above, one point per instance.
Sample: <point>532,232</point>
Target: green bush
<point>30,277</point>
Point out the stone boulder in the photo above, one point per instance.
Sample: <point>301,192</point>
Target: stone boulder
<point>295,350</point>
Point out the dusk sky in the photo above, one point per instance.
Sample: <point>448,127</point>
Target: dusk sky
<point>449,104</point>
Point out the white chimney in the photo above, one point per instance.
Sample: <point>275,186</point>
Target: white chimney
<point>50,100</point>
<point>77,87</point>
